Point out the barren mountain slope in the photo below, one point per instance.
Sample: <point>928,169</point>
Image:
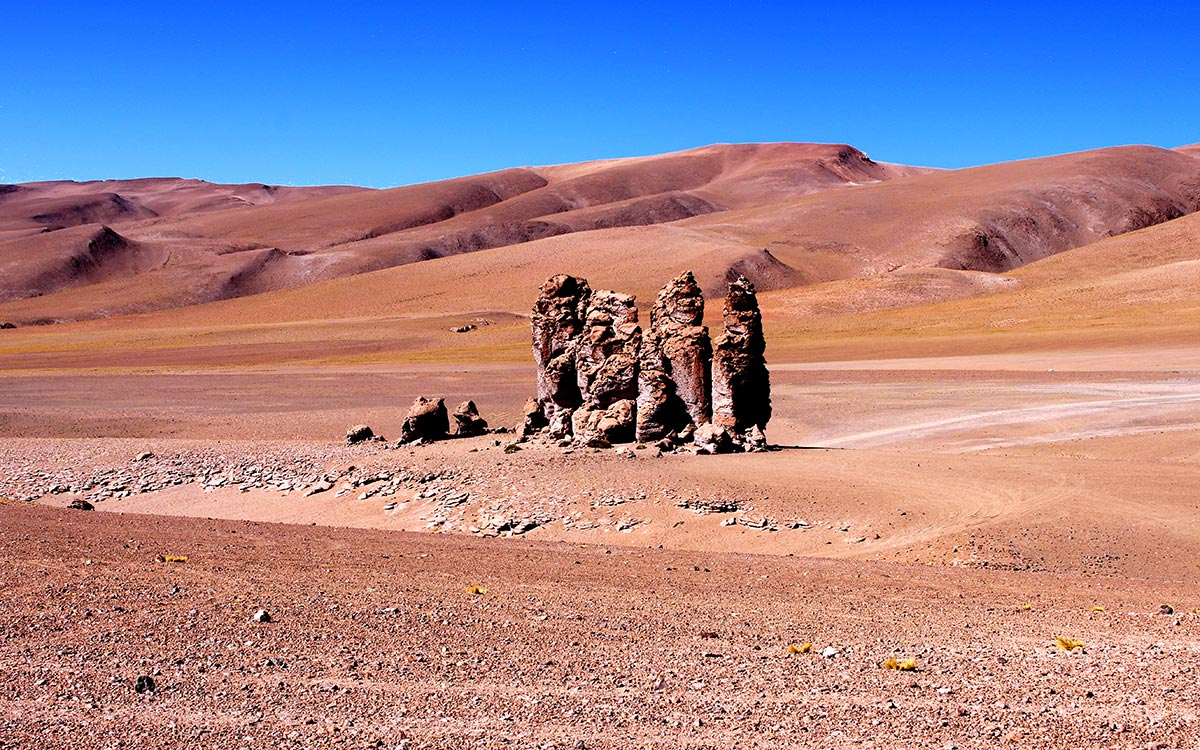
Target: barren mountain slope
<point>1137,291</point>
<point>293,243</point>
<point>1131,291</point>
<point>34,207</point>
<point>926,227</point>
<point>991,218</point>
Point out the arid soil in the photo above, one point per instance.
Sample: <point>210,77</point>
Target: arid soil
<point>970,462</point>
<point>912,513</point>
<point>380,639</point>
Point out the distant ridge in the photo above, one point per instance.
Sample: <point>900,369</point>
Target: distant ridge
<point>786,215</point>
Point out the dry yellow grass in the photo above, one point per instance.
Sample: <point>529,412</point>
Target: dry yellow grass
<point>902,665</point>
<point>1068,644</point>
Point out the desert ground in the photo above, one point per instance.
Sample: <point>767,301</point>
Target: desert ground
<point>986,431</point>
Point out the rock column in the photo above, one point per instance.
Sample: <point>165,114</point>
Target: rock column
<point>741,383</point>
<point>606,364</point>
<point>676,363</point>
<point>557,321</point>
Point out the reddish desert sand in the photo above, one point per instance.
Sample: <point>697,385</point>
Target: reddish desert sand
<point>983,447</point>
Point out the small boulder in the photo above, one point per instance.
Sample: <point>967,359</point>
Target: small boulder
<point>358,434</point>
<point>467,422</point>
<point>6,326</point>
<point>144,684</point>
<point>81,504</point>
<point>753,440</point>
<point>533,419</point>
<point>317,488</point>
<point>261,615</point>
<point>711,438</point>
<point>427,419</point>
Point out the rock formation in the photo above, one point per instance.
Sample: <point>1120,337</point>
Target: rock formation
<point>601,379</point>
<point>676,363</point>
<point>606,367</point>
<point>359,433</point>
<point>557,322</point>
<point>741,383</point>
<point>426,420</point>
<point>467,422</point>
<point>533,419</point>
<point>711,438</point>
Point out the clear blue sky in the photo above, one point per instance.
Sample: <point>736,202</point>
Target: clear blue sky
<point>299,93</point>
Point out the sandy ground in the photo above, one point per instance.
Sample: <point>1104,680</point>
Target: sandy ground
<point>1017,466</point>
<point>938,469</point>
<point>913,509</point>
<point>389,639</point>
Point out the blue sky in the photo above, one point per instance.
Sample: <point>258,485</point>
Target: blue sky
<point>302,93</point>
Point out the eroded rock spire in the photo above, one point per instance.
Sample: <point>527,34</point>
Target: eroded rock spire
<point>676,364</point>
<point>741,382</point>
<point>601,377</point>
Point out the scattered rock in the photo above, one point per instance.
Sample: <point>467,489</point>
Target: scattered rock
<point>6,326</point>
<point>533,419</point>
<point>358,434</point>
<point>1166,609</point>
<point>261,615</point>
<point>144,684</point>
<point>145,456</point>
<point>80,504</point>
<point>426,420</point>
<point>711,438</point>
<point>467,422</point>
<point>829,652</point>
<point>317,488</point>
<point>464,329</point>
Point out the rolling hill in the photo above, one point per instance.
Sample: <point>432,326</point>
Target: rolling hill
<point>789,216</point>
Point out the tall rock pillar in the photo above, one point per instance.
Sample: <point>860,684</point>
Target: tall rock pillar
<point>557,322</point>
<point>675,376</point>
<point>741,383</point>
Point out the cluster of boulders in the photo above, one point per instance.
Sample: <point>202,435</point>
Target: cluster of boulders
<point>601,378</point>
<point>428,421</point>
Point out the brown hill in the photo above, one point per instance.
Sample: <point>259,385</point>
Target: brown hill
<point>786,215</point>
<point>1134,290</point>
<point>991,218</point>
<point>217,254</point>
<point>34,207</point>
